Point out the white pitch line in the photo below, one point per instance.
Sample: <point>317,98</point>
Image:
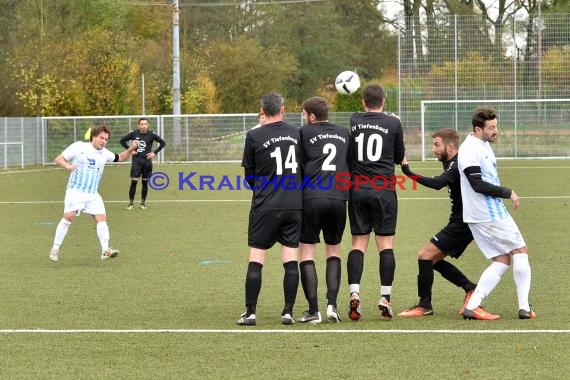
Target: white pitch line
<point>154,201</point>
<point>416,165</point>
<point>249,200</point>
<point>284,331</point>
<point>507,167</point>
<point>28,171</point>
<point>25,171</point>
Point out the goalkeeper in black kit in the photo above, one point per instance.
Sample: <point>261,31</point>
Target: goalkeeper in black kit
<point>453,239</point>
<point>142,160</point>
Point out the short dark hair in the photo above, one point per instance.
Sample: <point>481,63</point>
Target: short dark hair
<point>318,107</point>
<point>98,129</point>
<point>373,95</point>
<point>271,103</point>
<point>143,118</point>
<point>481,115</point>
<point>448,136</point>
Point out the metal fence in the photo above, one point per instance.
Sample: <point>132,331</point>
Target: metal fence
<point>189,138</point>
<point>531,131</point>
<point>59,132</point>
<point>206,138</point>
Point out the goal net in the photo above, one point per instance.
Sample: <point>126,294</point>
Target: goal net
<point>528,128</point>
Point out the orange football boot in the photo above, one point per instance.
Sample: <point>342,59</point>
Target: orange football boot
<point>416,311</point>
<point>480,314</point>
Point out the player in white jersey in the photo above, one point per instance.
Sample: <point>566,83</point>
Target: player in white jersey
<point>260,121</point>
<point>86,162</point>
<point>493,228</point>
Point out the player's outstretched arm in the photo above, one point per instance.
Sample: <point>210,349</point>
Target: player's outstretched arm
<point>435,183</point>
<point>129,152</point>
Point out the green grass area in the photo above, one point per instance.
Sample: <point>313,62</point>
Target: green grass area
<point>182,266</point>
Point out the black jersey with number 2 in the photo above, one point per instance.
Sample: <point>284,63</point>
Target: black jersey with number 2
<point>324,149</point>
<point>272,156</point>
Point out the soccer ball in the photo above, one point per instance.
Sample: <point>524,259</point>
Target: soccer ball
<point>347,82</point>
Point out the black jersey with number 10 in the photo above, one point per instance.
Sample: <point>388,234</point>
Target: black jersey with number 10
<point>271,152</point>
<point>377,143</point>
<point>324,150</point>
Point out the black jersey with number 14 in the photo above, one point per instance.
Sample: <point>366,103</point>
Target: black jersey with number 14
<point>271,156</point>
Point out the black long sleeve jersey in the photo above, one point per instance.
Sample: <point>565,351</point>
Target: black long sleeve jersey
<point>145,143</point>
<point>449,178</point>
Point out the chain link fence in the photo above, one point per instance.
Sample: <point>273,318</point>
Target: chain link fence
<point>189,138</point>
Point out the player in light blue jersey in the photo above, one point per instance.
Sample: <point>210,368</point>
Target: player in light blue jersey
<point>86,162</point>
<point>493,228</point>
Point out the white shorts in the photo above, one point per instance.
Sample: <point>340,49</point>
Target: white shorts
<point>497,238</point>
<point>78,201</point>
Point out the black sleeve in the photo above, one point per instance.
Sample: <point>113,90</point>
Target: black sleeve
<point>116,158</point>
<point>161,143</point>
<point>251,180</point>
<point>126,138</point>
<point>399,149</point>
<point>473,174</point>
<point>349,158</point>
<point>432,182</point>
<point>248,161</point>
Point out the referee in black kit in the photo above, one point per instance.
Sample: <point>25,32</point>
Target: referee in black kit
<point>271,163</point>
<point>142,159</point>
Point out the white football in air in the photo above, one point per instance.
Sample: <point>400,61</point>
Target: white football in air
<point>347,82</point>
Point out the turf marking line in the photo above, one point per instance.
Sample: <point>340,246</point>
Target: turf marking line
<point>284,331</point>
<point>249,200</point>
<point>52,167</point>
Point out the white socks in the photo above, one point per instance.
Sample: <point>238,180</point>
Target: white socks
<point>522,274</point>
<point>487,282</point>
<point>492,275</point>
<point>354,288</point>
<point>60,232</point>
<point>103,235</point>
<point>63,227</point>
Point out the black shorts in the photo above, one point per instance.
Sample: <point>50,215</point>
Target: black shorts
<point>453,239</point>
<point>141,167</point>
<point>267,227</point>
<point>371,209</point>
<point>328,215</point>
